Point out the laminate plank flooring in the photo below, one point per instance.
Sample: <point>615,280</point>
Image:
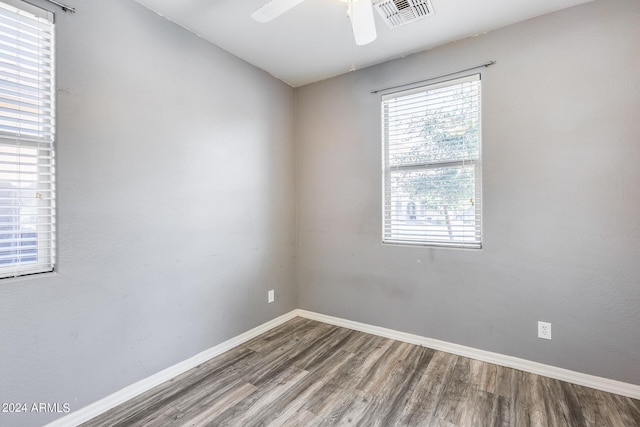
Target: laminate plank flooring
<point>307,373</point>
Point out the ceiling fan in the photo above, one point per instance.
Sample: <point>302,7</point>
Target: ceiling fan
<point>360,13</point>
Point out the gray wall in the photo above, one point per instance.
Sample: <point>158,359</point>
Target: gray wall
<point>561,135</point>
<point>175,210</point>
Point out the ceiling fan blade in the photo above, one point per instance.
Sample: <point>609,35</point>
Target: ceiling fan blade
<point>364,26</point>
<point>273,9</point>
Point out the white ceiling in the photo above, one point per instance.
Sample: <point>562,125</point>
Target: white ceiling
<point>313,41</point>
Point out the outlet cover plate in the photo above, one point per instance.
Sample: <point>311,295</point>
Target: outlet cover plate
<point>271,296</point>
<point>544,330</point>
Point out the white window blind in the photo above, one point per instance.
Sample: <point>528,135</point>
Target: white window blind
<point>27,126</point>
<point>432,169</point>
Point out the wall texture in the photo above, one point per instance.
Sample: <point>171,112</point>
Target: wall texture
<point>561,140</point>
<point>175,210</point>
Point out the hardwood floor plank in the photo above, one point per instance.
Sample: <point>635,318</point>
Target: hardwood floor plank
<point>529,391</point>
<point>378,375</point>
<point>210,389</point>
<point>523,415</point>
<point>202,395</point>
<point>390,402</point>
<point>334,364</point>
<point>159,419</point>
<point>591,407</point>
<point>326,399</point>
<point>317,352</point>
<point>632,406</point>
<point>292,354</point>
<point>437,422</point>
<point>491,410</point>
<point>475,372</point>
<point>284,407</point>
<point>362,343</point>
<point>288,335</point>
<point>207,410</point>
<point>352,372</point>
<point>614,414</point>
<point>504,380</point>
<point>556,407</point>
<point>350,411</point>
<point>574,409</point>
<point>424,400</point>
<point>302,417</point>
<point>488,380</point>
<point>458,399</point>
<point>259,401</point>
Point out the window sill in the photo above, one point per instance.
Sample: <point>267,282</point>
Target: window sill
<point>44,274</point>
<point>432,245</point>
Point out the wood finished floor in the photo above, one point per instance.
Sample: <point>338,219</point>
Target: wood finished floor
<point>306,373</point>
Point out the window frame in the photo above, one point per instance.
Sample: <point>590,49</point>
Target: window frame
<point>387,193</point>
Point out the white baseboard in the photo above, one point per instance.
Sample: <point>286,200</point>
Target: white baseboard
<point>93,410</point>
<point>599,383</point>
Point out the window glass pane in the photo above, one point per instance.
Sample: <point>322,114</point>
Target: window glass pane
<point>435,126</point>
<point>436,205</point>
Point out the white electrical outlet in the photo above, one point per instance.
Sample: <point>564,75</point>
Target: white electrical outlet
<point>544,330</point>
<point>271,296</point>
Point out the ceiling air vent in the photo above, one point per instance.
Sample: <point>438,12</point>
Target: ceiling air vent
<point>399,12</point>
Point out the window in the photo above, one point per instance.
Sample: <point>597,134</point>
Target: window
<point>27,182</point>
<point>432,170</point>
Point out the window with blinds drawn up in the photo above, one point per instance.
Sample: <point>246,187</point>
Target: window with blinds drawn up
<point>432,170</point>
<point>27,126</point>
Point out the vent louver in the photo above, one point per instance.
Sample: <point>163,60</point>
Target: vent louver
<point>400,12</point>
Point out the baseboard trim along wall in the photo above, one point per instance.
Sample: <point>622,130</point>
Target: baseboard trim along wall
<point>599,383</point>
<point>93,410</point>
<point>103,405</point>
